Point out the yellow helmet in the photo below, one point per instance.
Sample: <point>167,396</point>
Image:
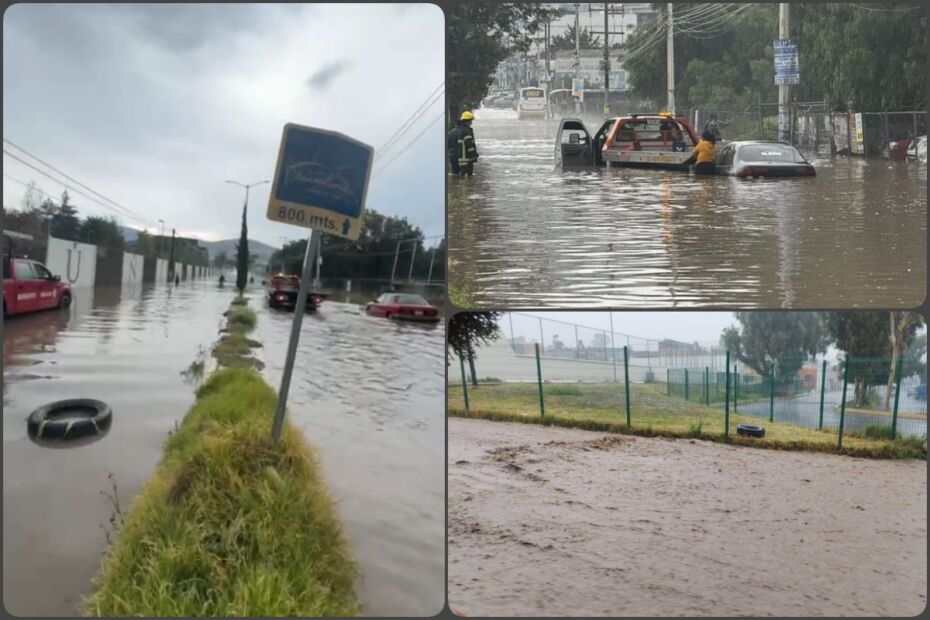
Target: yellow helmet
<point>467,116</point>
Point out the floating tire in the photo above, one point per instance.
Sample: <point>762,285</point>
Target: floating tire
<point>750,430</point>
<point>70,419</point>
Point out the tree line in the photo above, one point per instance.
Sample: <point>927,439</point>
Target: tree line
<point>853,56</point>
<point>371,257</point>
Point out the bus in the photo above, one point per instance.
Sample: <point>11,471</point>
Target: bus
<point>532,103</point>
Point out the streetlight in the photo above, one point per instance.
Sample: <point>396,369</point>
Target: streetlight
<point>245,206</point>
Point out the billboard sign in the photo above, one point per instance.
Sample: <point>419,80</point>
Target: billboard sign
<point>787,69</point>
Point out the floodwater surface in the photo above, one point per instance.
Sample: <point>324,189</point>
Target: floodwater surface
<point>128,348</point>
<point>525,234</point>
<point>369,394</point>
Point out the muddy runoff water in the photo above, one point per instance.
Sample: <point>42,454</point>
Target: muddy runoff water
<point>369,394</point>
<point>129,348</point>
<point>525,234</point>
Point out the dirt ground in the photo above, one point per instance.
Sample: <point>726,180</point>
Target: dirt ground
<point>555,521</point>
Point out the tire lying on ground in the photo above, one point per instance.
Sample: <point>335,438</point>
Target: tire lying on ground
<point>70,419</point>
<point>750,430</point>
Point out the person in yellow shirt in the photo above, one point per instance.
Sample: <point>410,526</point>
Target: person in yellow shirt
<point>703,154</point>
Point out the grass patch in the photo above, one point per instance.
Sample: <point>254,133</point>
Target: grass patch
<point>234,348</point>
<point>240,317</point>
<point>240,301</point>
<point>229,524</point>
<point>878,431</point>
<point>602,406</point>
<point>460,297</point>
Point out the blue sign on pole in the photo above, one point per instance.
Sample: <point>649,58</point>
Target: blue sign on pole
<point>321,181</point>
<point>787,70</point>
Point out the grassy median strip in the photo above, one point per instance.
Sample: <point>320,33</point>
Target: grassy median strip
<point>600,407</point>
<point>229,524</point>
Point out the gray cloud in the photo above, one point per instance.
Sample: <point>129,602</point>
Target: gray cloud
<point>156,105</point>
<point>325,75</point>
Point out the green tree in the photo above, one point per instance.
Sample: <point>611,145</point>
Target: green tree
<point>145,245</point>
<point>903,327</point>
<point>65,222</point>
<point>101,231</point>
<point>567,41</point>
<point>242,254</point>
<point>914,357</point>
<point>764,338</point>
<point>865,336</point>
<point>468,330</point>
<point>479,37</point>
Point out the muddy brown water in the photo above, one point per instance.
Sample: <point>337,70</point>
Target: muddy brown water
<point>369,393</point>
<point>372,405</point>
<point>524,234</point>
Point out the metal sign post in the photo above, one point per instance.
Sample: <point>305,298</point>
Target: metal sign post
<point>320,183</point>
<point>312,244</point>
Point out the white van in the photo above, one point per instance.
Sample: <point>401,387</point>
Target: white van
<point>532,103</point>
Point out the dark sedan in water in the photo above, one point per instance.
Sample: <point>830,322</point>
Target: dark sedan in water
<point>762,159</point>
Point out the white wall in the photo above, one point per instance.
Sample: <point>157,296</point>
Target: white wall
<point>161,271</point>
<point>75,262</point>
<point>132,267</point>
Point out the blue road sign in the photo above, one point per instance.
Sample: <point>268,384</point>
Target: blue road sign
<point>787,69</point>
<point>321,181</point>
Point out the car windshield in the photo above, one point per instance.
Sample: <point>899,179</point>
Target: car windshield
<point>410,300</point>
<point>771,153</point>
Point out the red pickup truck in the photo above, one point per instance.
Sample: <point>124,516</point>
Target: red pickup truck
<point>28,286</point>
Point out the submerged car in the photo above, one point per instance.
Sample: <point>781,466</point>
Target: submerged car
<point>917,149</point>
<point>750,159</point>
<point>282,291</point>
<point>639,140</point>
<point>403,306</point>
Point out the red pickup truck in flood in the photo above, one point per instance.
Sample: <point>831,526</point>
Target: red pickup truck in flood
<point>28,286</point>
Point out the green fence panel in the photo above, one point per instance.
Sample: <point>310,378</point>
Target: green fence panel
<point>539,381</point>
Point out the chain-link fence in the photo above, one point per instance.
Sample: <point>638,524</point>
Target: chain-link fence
<point>582,375</point>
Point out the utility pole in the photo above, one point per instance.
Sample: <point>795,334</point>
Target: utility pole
<point>670,59</point>
<point>171,257</point>
<point>606,62</point>
<point>548,80</point>
<point>577,56</point>
<point>396,254</point>
<point>432,255</point>
<point>784,90</point>
<point>319,263</point>
<point>413,255</point>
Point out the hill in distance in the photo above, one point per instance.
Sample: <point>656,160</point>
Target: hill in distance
<point>261,250</point>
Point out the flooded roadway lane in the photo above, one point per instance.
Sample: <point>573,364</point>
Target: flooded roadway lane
<point>523,234</point>
<point>369,394</point>
<point>127,348</point>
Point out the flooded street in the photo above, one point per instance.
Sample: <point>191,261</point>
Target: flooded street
<point>523,234</point>
<point>127,348</point>
<point>369,394</point>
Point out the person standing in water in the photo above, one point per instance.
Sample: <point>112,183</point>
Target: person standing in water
<point>460,144</point>
<point>703,154</point>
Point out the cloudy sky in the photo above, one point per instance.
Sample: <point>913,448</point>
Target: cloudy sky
<point>154,106</point>
<point>703,327</point>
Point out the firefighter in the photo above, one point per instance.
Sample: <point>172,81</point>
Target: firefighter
<point>461,146</point>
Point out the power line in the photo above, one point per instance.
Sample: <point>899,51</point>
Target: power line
<point>66,186</point>
<point>126,211</point>
<point>412,142</point>
<point>408,124</point>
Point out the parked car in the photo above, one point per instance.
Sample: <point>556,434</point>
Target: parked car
<point>505,101</point>
<point>403,306</point>
<point>755,158</point>
<point>896,150</point>
<point>282,290</point>
<point>28,286</point>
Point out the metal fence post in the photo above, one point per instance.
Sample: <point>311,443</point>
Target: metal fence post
<point>686,384</point>
<point>726,401</point>
<point>707,385</point>
<point>464,382</point>
<point>772,394</point>
<point>736,382</point>
<point>823,387</point>
<point>897,393</point>
<point>539,379</point>
<point>839,445</point>
<point>626,385</point>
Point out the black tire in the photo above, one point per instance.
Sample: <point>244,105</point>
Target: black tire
<point>750,430</point>
<point>43,424</point>
<point>64,301</point>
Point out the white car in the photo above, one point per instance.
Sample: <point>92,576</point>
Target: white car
<point>917,151</point>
